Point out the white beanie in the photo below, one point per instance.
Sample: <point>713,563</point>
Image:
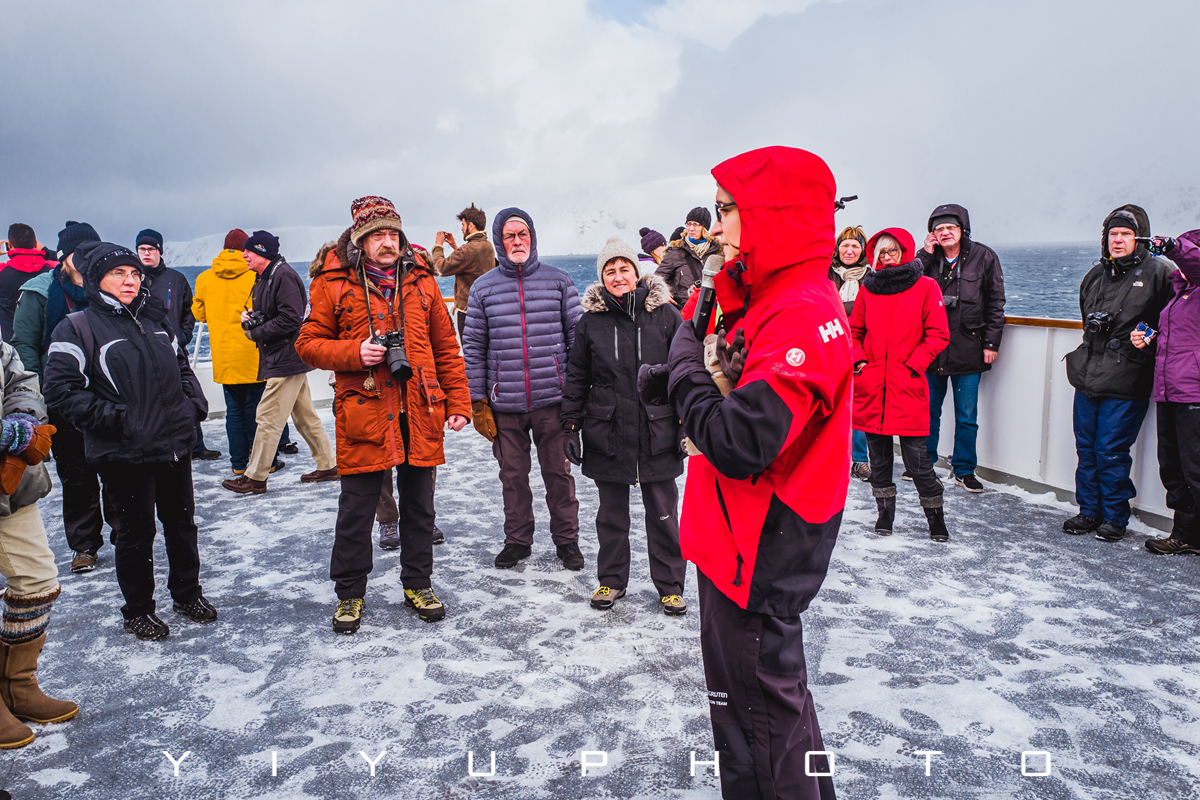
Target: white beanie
<point>615,248</point>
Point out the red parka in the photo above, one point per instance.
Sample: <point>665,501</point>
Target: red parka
<point>899,326</point>
<point>367,401</point>
<point>763,504</point>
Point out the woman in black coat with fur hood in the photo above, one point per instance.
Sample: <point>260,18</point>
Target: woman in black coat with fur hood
<point>627,322</point>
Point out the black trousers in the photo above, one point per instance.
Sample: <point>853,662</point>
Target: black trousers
<point>1179,466</point>
<point>353,543</point>
<point>763,718</point>
<point>661,502</point>
<point>81,490</point>
<point>137,493</point>
<point>916,460</point>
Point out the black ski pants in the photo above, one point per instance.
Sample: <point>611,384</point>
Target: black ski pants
<point>82,494</point>
<point>763,718</point>
<point>137,493</point>
<point>661,502</point>
<point>916,460</point>
<point>1179,466</point>
<point>353,543</point>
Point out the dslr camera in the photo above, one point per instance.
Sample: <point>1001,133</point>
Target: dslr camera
<point>253,320</point>
<point>396,357</point>
<point>1098,322</point>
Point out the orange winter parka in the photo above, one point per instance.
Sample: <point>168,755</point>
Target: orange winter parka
<point>367,402</point>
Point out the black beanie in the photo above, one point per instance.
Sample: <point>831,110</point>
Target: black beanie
<point>150,237</point>
<point>651,240</point>
<point>96,259</point>
<point>264,244</point>
<point>74,234</point>
<point>944,219</point>
<point>677,235</point>
<point>1121,219</point>
<point>700,214</point>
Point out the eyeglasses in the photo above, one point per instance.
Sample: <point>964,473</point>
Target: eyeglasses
<point>890,251</point>
<point>124,274</point>
<point>509,237</point>
<point>721,208</point>
<point>944,228</point>
<point>146,249</point>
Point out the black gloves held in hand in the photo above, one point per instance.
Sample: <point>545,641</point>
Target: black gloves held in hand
<point>572,447</point>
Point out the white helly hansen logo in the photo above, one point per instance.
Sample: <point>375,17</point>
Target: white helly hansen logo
<point>830,330</point>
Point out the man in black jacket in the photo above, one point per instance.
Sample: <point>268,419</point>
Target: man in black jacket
<point>175,293</point>
<point>279,302</point>
<point>117,373</point>
<point>1112,378</point>
<point>973,294</point>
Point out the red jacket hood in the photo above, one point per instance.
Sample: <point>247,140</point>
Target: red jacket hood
<point>907,247</point>
<point>785,201</point>
<point>26,260</point>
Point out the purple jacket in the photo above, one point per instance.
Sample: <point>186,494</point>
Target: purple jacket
<point>520,327</point>
<point>1177,365</point>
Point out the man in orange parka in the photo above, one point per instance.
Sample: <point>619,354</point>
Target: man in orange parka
<point>383,418</point>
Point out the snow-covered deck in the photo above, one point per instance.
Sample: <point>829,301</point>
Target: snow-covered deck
<point>1012,637</point>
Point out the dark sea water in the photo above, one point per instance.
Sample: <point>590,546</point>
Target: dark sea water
<point>1040,280</point>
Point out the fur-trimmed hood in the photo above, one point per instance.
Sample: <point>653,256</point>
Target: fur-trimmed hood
<point>658,294</point>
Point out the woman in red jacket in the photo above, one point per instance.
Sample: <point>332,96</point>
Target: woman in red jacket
<point>898,327</point>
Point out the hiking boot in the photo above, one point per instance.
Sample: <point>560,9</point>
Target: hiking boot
<point>206,455</point>
<point>237,471</point>
<point>244,485</point>
<point>1080,524</point>
<point>147,627</point>
<point>200,610</point>
<point>428,607</point>
<point>887,515</point>
<point>1108,532</point>
<point>937,524</point>
<point>347,615</point>
<point>673,605</point>
<point>604,597</point>
<point>389,535</point>
<point>570,556</point>
<point>969,482</point>
<point>438,536</point>
<point>291,449</point>
<point>1172,547</point>
<point>511,554</point>
<point>84,561</point>
<point>276,465</point>
<point>860,470</point>
<point>320,475</point>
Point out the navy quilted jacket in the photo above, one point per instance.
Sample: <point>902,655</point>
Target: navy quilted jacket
<point>520,326</point>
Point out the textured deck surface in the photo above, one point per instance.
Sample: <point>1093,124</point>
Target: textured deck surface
<point>1012,637</point>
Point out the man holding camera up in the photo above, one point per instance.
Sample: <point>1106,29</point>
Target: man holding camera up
<point>278,300</point>
<point>1112,377</point>
<point>377,320</point>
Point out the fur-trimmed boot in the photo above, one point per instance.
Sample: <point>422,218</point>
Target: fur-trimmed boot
<point>937,524</point>
<point>887,515</point>
<point>19,687</point>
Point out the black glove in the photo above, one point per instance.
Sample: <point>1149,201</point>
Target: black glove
<point>572,446</point>
<point>731,355</point>
<point>652,384</point>
<point>1162,245</point>
<point>686,357</point>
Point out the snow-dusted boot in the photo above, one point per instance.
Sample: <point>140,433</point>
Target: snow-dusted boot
<point>19,687</point>
<point>887,514</point>
<point>937,524</point>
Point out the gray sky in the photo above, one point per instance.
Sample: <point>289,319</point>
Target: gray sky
<point>598,118</point>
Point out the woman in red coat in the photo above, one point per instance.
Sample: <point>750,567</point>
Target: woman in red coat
<point>898,327</point>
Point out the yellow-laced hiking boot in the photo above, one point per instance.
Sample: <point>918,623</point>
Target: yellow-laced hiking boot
<point>604,597</point>
<point>428,607</point>
<point>673,606</point>
<point>348,615</point>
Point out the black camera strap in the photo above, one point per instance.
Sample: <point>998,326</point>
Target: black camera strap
<point>397,298</point>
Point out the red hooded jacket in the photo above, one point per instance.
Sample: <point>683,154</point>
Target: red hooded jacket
<point>899,327</point>
<point>763,504</point>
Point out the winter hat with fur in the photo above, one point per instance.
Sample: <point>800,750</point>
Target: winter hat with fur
<point>372,213</point>
<point>614,248</point>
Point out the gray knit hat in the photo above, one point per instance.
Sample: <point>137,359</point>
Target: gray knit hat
<point>614,248</point>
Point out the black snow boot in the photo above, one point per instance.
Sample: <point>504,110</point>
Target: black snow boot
<point>887,514</point>
<point>937,524</point>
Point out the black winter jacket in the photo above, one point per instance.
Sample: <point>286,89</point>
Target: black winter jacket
<point>130,389</point>
<point>279,294</point>
<point>624,441</point>
<point>976,318</point>
<point>175,293</point>
<point>681,268</point>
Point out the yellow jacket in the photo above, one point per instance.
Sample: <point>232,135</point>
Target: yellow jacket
<point>222,293</point>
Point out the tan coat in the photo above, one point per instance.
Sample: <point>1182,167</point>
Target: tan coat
<point>467,263</point>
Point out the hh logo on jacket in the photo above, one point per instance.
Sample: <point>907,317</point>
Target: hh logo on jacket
<point>830,330</point>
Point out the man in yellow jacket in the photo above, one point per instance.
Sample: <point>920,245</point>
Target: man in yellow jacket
<point>222,294</point>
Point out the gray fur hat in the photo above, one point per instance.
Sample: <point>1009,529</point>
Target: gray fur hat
<point>615,248</point>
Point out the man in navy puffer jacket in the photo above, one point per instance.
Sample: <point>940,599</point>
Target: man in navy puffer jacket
<point>520,325</point>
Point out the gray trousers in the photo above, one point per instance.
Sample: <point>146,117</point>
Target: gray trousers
<point>511,449</point>
<point>661,502</point>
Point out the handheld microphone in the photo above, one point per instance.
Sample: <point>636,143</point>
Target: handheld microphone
<point>708,294</point>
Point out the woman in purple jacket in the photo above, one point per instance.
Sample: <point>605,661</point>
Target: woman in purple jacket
<point>1177,392</point>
